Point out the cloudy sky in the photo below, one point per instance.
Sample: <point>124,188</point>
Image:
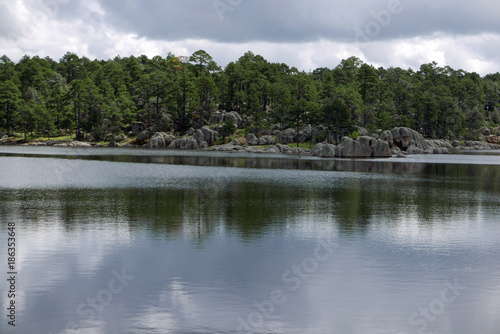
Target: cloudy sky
<point>305,34</point>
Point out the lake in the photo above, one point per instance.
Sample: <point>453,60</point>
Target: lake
<point>154,241</point>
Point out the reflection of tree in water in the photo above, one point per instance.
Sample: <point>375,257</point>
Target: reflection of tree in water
<point>222,202</point>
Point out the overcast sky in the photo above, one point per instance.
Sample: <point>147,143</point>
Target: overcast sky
<point>305,34</point>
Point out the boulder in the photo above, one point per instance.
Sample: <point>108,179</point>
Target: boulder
<point>142,138</point>
<point>363,147</point>
<point>327,150</point>
<point>180,143</point>
<point>157,141</point>
<point>190,132</point>
<point>203,145</point>
<point>272,149</point>
<point>395,150</point>
<point>234,117</point>
<point>252,139</point>
<point>381,149</point>
<point>316,151</point>
<point>287,136</point>
<point>282,148</point>
<point>387,136</point>
<point>362,132</point>
<point>404,138</point>
<point>209,135</point>
<point>199,136</point>
<point>192,144</point>
<point>223,116</point>
<point>79,144</point>
<point>413,149</point>
<point>350,148</point>
<point>168,138</point>
<point>269,140</point>
<point>305,134</point>
<point>185,143</point>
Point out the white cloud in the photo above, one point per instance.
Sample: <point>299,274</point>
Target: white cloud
<point>49,32</point>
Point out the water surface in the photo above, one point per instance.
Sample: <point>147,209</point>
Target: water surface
<point>224,243</point>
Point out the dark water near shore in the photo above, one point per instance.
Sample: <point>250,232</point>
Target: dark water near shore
<point>145,241</point>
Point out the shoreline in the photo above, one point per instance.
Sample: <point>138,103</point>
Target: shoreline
<point>276,149</point>
<point>398,142</point>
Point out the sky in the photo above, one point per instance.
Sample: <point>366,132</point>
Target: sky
<point>305,34</point>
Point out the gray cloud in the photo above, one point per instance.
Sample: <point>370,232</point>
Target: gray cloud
<point>298,20</point>
<point>304,34</point>
<point>8,25</point>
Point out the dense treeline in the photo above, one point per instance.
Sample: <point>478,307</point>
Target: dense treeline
<point>99,98</point>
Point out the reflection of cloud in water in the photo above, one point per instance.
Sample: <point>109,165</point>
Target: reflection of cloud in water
<point>175,309</point>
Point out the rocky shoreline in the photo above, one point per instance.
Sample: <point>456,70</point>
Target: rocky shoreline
<point>398,142</point>
<point>205,135</point>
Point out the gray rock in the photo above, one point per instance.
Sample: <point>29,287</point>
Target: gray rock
<point>327,150</point>
<point>142,138</point>
<point>381,149</point>
<point>375,135</point>
<point>350,148</point>
<point>190,132</point>
<point>287,136</point>
<point>387,136</point>
<point>269,140</point>
<point>282,148</point>
<point>395,150</point>
<point>404,138</point>
<point>210,135</point>
<point>79,144</point>
<point>199,136</point>
<point>180,143</point>
<point>455,143</point>
<point>316,151</point>
<point>223,116</point>
<point>272,149</point>
<point>252,139</point>
<point>235,142</point>
<point>262,141</point>
<point>168,138</point>
<point>203,145</point>
<point>413,149</point>
<point>157,141</point>
<point>363,147</point>
<point>305,134</point>
<point>362,132</point>
<point>192,144</point>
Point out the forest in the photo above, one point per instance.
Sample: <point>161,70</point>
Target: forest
<point>99,99</point>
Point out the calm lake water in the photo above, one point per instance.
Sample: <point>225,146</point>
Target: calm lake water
<point>150,241</point>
